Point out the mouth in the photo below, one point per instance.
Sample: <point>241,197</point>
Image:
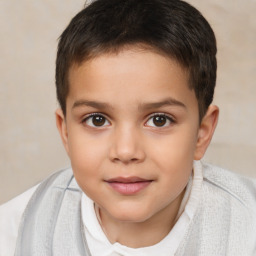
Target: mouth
<point>129,185</point>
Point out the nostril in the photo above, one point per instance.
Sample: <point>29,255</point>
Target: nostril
<point>126,150</point>
<point>125,160</point>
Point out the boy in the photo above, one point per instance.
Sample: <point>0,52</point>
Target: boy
<point>135,82</point>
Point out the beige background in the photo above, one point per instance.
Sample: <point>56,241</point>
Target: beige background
<point>30,147</point>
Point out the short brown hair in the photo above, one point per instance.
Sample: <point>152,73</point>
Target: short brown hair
<point>172,27</point>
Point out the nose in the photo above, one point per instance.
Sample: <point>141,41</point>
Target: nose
<point>127,146</point>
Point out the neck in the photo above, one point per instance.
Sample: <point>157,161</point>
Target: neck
<point>151,231</point>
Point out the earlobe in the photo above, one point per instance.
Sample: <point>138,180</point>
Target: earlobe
<point>62,127</point>
<point>206,131</point>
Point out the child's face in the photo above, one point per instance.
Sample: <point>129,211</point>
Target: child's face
<point>131,131</point>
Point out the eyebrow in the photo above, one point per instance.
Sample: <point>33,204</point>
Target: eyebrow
<point>162,103</point>
<point>142,106</point>
<point>91,103</point>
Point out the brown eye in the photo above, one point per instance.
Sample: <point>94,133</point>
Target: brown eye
<point>159,121</point>
<point>96,121</point>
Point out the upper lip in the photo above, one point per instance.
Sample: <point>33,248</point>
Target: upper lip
<point>132,179</point>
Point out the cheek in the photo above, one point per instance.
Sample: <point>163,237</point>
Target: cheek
<point>174,159</point>
<point>86,155</point>
<point>174,148</point>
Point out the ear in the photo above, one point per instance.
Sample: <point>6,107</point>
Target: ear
<point>206,131</point>
<point>62,127</point>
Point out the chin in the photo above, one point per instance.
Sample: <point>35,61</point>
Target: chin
<point>130,215</point>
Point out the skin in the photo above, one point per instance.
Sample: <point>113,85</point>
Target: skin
<point>125,90</point>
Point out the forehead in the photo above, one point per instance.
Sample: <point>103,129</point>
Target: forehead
<point>128,55</point>
<point>130,75</point>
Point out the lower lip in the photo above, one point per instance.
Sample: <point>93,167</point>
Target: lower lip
<point>129,188</point>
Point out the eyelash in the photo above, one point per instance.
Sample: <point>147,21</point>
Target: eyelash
<point>170,119</point>
<point>86,118</point>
